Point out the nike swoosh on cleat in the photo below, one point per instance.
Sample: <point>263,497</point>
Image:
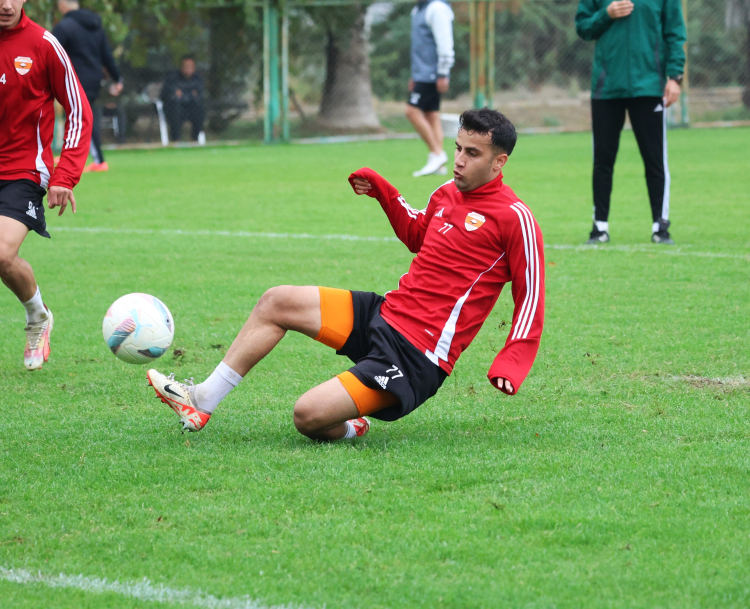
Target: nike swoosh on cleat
<point>167,388</point>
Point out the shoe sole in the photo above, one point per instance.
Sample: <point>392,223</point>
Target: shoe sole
<point>186,423</point>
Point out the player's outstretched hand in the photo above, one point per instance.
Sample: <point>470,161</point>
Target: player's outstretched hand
<point>504,385</point>
<point>58,196</point>
<point>361,186</point>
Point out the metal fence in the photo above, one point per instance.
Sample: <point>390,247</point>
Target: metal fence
<point>330,67</point>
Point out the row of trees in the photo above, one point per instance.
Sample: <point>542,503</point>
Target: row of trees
<point>342,55</point>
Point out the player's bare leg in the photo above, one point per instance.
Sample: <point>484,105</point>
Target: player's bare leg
<point>433,118</point>
<point>318,413</point>
<point>15,272</point>
<point>279,310</point>
<point>18,276</point>
<point>427,125</point>
<point>424,128</point>
<point>324,412</point>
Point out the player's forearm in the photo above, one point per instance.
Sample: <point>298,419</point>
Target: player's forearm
<point>73,158</point>
<point>514,363</point>
<point>592,26</point>
<point>404,219</point>
<point>445,63</point>
<point>68,171</point>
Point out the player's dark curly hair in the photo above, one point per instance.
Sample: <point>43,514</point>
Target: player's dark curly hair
<point>484,120</point>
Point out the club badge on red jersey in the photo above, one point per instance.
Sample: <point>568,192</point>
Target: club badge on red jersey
<point>474,221</point>
<point>23,65</point>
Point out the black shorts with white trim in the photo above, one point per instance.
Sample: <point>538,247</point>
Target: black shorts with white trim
<point>23,200</point>
<point>384,359</point>
<point>425,96</point>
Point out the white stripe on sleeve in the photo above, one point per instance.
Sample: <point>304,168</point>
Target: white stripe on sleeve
<point>535,247</point>
<point>528,309</point>
<point>72,80</point>
<point>71,86</point>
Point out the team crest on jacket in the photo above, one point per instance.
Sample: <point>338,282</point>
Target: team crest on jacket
<point>23,65</point>
<point>474,221</point>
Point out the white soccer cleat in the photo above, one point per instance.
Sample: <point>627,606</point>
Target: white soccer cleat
<point>435,164</point>
<point>179,398</point>
<point>37,342</point>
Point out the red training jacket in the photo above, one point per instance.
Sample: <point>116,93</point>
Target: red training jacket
<point>34,71</point>
<point>468,246</point>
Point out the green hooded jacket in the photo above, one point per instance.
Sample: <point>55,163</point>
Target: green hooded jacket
<point>634,55</point>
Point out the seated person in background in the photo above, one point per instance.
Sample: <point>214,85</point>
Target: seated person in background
<point>182,95</point>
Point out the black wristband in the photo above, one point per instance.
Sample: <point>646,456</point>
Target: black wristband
<point>677,79</point>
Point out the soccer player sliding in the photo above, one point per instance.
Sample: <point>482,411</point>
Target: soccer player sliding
<point>473,237</point>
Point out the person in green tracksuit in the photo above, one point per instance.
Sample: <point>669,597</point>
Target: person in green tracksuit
<point>638,65</point>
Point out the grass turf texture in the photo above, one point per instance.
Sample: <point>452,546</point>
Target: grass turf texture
<point>618,477</point>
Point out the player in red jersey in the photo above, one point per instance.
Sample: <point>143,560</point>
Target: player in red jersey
<point>473,237</point>
<point>34,72</point>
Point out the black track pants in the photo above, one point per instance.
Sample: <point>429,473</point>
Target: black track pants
<point>96,133</point>
<point>181,113</point>
<point>648,118</point>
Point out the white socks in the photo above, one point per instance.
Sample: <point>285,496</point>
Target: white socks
<point>35,311</point>
<point>351,431</point>
<point>602,226</point>
<point>215,388</point>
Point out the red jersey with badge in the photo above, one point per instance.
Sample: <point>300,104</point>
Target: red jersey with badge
<point>34,71</point>
<point>468,246</point>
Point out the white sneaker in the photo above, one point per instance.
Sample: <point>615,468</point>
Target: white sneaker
<point>37,342</point>
<point>435,162</point>
<point>178,397</point>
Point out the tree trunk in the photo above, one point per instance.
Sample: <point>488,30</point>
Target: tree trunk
<point>347,91</point>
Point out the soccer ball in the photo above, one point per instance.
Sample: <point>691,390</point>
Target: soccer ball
<point>138,328</point>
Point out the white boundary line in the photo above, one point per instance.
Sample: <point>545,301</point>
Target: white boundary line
<point>142,590</point>
<point>642,249</point>
<point>215,233</point>
<point>667,250</point>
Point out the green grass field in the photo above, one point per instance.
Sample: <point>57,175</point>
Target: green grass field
<point>618,477</point>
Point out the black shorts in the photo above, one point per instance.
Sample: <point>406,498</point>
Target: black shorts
<point>384,359</point>
<point>22,200</point>
<point>425,96</point>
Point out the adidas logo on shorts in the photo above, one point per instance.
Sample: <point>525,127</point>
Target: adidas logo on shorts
<point>382,381</point>
<point>31,211</point>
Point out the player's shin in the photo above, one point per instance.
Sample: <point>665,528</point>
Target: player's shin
<point>35,311</point>
<point>215,388</point>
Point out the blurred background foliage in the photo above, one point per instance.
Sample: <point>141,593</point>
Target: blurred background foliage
<point>536,46</point>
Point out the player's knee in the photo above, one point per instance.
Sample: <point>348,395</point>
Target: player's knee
<point>8,258</point>
<point>307,418</point>
<point>273,302</point>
